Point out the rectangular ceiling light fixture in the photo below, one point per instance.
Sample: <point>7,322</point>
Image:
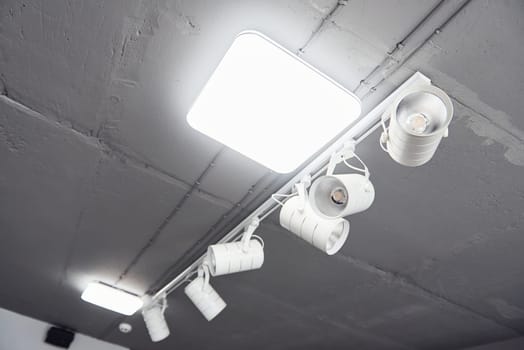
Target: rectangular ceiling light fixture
<point>271,106</point>
<point>112,298</point>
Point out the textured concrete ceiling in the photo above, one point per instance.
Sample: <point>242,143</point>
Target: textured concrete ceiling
<point>102,178</point>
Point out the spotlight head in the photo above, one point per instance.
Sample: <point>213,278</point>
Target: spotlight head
<point>328,235</point>
<point>418,121</point>
<point>155,321</point>
<point>204,296</point>
<point>244,255</point>
<point>232,257</point>
<point>337,196</point>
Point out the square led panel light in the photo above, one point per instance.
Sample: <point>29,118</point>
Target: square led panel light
<point>269,105</point>
<point>112,298</point>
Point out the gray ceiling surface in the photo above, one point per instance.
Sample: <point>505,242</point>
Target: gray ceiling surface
<point>102,178</point>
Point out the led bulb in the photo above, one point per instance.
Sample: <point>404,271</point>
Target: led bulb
<point>418,122</point>
<point>339,196</point>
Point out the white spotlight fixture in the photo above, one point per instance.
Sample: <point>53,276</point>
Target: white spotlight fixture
<point>111,298</point>
<point>244,255</point>
<point>261,91</point>
<point>155,321</point>
<point>328,235</point>
<point>419,118</point>
<point>204,296</point>
<point>336,196</point>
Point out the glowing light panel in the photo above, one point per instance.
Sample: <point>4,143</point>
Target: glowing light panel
<point>111,298</point>
<point>271,106</point>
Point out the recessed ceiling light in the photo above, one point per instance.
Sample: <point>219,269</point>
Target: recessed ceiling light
<point>112,298</point>
<point>271,106</point>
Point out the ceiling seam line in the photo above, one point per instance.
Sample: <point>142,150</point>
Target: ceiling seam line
<point>398,46</point>
<point>384,69</point>
<point>74,241</point>
<point>113,150</point>
<point>417,26</point>
<point>153,170</point>
<point>314,316</point>
<point>499,341</point>
<point>320,26</point>
<point>3,87</point>
<point>208,237</point>
<point>406,281</point>
<point>437,31</point>
<point>169,217</point>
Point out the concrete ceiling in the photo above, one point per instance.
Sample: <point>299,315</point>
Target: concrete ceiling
<point>102,178</point>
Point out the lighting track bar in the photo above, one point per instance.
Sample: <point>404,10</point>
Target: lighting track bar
<point>357,133</point>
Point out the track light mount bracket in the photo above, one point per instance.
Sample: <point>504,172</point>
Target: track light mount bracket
<point>345,153</point>
<point>248,233</point>
<point>301,188</point>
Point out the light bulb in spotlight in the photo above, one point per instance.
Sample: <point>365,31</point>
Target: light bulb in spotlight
<point>417,122</point>
<point>337,196</point>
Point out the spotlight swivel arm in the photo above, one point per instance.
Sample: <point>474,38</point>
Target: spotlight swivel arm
<point>203,271</point>
<point>301,188</point>
<point>248,233</point>
<point>347,152</point>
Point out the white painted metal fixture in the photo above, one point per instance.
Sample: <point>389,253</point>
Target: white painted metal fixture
<point>155,320</point>
<point>312,170</point>
<point>337,196</point>
<point>327,235</point>
<point>419,116</point>
<point>418,120</point>
<point>238,256</point>
<point>204,296</point>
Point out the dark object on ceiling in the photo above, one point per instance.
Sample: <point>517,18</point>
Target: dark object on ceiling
<point>59,337</point>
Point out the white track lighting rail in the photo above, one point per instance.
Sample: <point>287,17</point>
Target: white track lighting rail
<point>358,132</point>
